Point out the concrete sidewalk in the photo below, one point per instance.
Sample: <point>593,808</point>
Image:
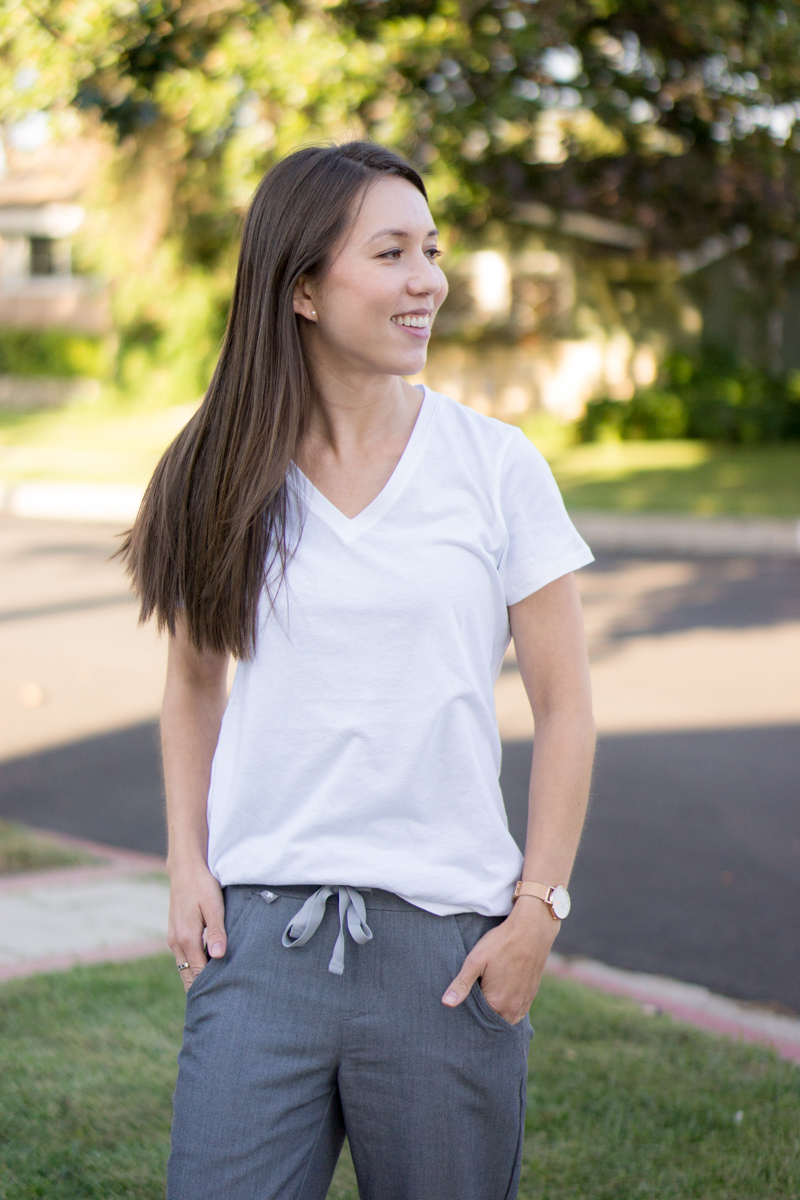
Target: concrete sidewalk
<point>650,533</point>
<point>111,503</point>
<point>53,920</point>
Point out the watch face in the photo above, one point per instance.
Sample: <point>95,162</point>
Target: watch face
<point>560,902</point>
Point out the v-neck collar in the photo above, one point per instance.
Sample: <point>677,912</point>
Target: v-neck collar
<point>349,528</point>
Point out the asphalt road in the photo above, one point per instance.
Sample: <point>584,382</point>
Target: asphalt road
<point>689,863</point>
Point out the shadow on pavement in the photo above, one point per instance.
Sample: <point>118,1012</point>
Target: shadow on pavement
<point>105,788</point>
<point>689,862</point>
<point>723,593</point>
<point>688,867</point>
<point>64,607</point>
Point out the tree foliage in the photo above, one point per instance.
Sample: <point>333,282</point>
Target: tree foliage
<point>677,116</point>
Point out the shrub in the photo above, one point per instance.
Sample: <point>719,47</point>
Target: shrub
<point>714,396</point>
<point>648,415</point>
<point>54,352</point>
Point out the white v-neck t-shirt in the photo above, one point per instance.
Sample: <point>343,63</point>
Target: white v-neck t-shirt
<point>360,745</point>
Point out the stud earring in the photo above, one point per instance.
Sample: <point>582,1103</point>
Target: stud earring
<point>313,312</point>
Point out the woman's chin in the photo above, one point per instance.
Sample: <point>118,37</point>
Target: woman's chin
<point>408,363</point>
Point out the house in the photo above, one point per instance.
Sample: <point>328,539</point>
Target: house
<point>568,306</point>
<point>40,212</point>
<point>536,322</point>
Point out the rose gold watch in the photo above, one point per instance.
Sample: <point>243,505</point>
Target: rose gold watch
<point>557,898</point>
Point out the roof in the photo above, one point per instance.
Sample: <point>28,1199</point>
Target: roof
<point>583,225</point>
<point>55,173</point>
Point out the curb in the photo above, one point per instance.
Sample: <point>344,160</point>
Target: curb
<point>112,862</point>
<point>116,503</point>
<point>695,537</point>
<point>65,962</point>
<point>687,1002</point>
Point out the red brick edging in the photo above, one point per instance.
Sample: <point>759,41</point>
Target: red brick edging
<point>645,990</point>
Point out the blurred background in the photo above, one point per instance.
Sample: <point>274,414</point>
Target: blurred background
<point>617,188</point>
<point>618,191</point>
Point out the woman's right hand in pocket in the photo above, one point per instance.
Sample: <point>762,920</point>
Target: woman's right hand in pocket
<point>196,920</point>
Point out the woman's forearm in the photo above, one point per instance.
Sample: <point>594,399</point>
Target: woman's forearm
<point>510,959</point>
<point>554,665</point>
<point>563,751</point>
<point>191,715</point>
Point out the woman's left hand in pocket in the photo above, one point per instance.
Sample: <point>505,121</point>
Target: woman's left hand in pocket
<point>509,960</point>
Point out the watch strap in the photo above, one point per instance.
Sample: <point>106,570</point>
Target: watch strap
<point>540,890</point>
<point>525,888</point>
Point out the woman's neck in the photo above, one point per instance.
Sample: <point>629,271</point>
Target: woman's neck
<point>353,415</point>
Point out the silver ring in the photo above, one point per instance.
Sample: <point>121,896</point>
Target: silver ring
<point>182,966</point>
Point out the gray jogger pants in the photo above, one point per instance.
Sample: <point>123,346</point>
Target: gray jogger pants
<point>281,1057</point>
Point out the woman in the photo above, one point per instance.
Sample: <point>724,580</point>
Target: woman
<point>363,547</point>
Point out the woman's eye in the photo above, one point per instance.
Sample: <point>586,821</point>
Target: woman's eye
<point>433,252</point>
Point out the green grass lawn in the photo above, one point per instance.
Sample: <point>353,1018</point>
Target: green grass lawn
<point>622,1105</point>
<point>98,441</point>
<point>23,849</point>
<point>107,441</point>
<point>697,478</point>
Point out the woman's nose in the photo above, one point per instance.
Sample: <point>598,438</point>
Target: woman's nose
<point>428,279</point>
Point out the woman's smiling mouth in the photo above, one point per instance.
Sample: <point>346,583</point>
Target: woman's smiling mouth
<point>417,324</point>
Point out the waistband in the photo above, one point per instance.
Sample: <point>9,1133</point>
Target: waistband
<point>375,898</point>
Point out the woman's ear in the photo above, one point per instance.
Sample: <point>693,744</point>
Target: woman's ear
<point>303,304</point>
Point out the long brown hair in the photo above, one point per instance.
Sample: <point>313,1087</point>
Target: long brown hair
<point>211,533</point>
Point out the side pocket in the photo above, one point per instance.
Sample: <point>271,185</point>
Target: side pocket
<point>246,904</point>
<point>214,964</point>
<point>467,942</point>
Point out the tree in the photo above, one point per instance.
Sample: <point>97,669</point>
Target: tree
<point>220,86</point>
<point>195,98</point>
<point>674,116</point>
<point>677,115</point>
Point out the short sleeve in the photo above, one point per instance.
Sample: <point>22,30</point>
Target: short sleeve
<point>542,544</point>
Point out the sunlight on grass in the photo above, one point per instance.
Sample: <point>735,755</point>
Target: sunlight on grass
<point>683,476</point>
<point>99,442</point>
<point>107,440</point>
